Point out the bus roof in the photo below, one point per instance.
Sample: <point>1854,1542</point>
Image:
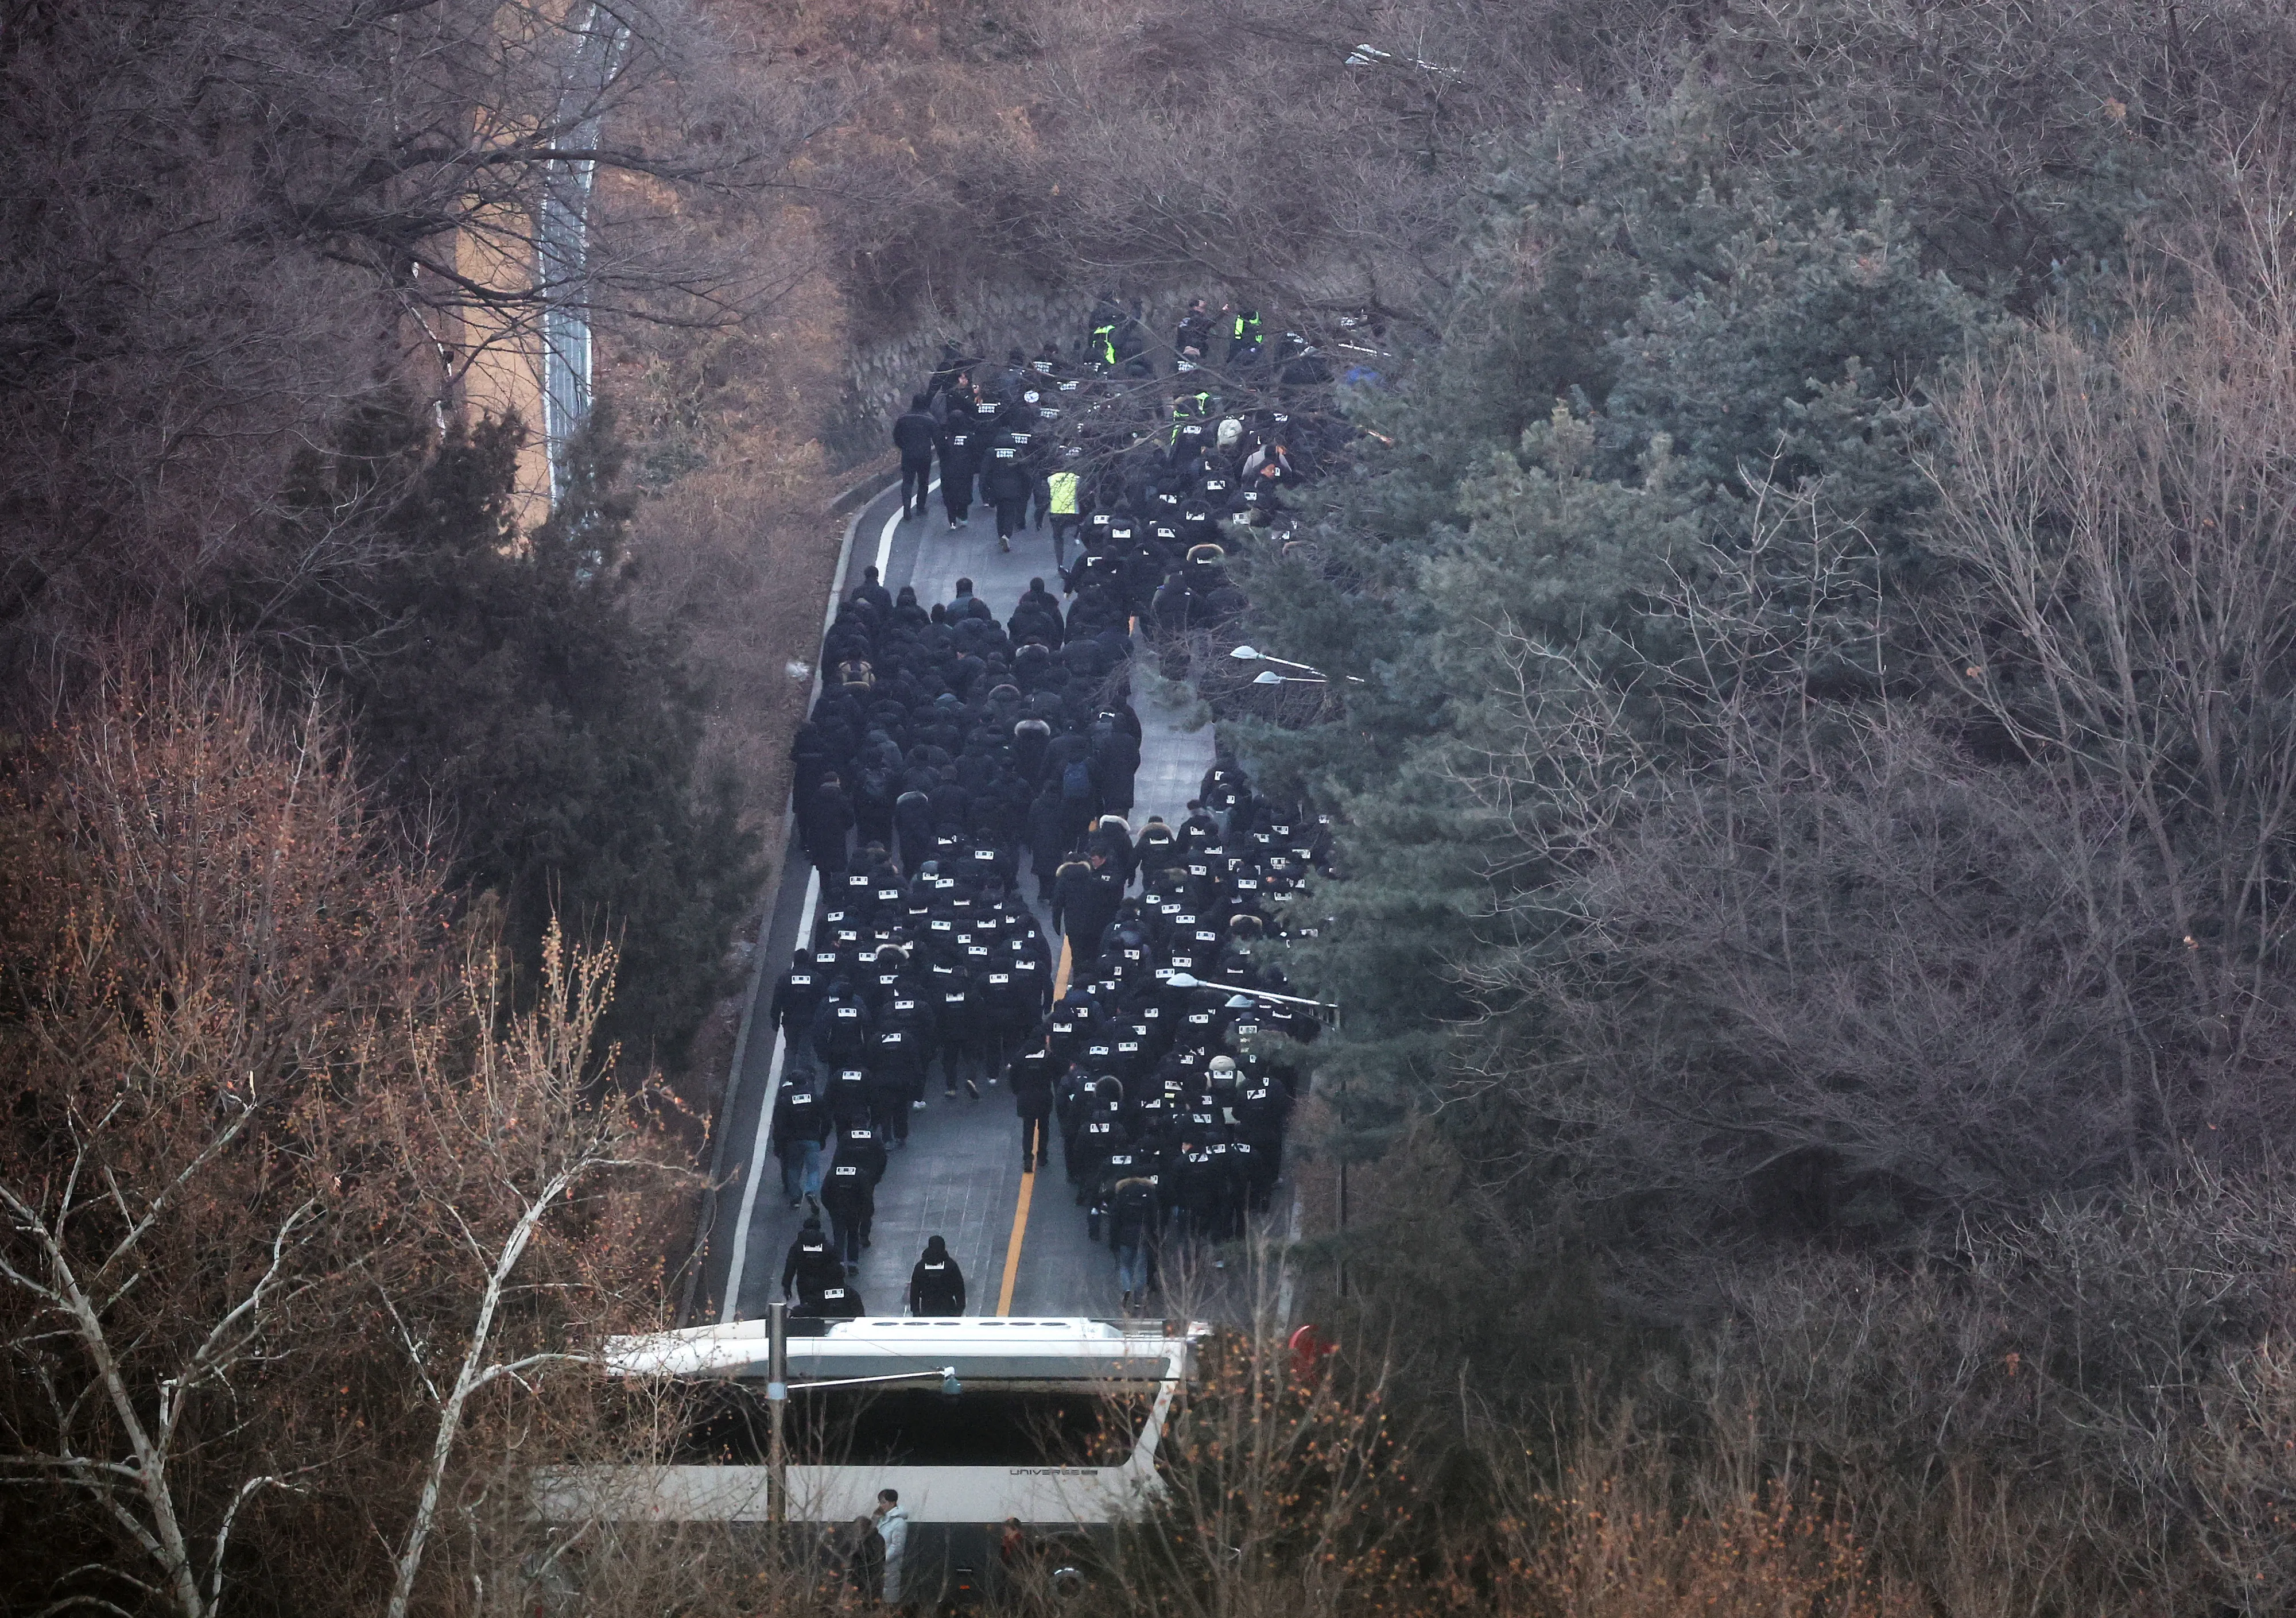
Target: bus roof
<point>986,1348</point>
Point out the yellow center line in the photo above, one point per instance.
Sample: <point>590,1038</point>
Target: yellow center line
<point>1027,1181</point>
<point>1012,1248</point>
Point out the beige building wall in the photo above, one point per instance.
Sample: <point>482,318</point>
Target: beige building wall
<point>502,357</point>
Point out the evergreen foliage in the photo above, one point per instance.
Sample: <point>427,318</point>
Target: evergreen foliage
<point>501,689</point>
<point>1652,349</point>
<point>1817,798</point>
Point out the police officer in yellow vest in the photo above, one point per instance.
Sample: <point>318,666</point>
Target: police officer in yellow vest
<point>1064,488</point>
<point>1243,336</point>
<point>1192,404</point>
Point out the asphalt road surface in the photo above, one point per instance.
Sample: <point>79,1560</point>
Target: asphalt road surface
<point>1022,1242</point>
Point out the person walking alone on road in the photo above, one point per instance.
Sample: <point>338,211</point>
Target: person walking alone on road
<point>936,1286</point>
<point>1031,1074</point>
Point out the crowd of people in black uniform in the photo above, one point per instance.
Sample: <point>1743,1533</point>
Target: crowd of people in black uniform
<point>949,751</point>
<point>1174,462</point>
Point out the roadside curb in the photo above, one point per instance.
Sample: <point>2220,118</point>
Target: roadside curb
<point>856,499</point>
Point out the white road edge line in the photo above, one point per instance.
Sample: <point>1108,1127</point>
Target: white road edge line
<point>730,1309</point>
<point>707,1225</point>
<point>885,539</point>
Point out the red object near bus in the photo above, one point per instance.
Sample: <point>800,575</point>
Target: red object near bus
<point>1309,1349</point>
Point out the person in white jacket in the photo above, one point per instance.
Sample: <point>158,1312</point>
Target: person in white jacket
<point>893,1527</point>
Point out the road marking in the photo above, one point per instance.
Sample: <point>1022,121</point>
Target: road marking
<point>730,1309</point>
<point>1012,1247</point>
<point>885,538</point>
<point>1027,1181</point>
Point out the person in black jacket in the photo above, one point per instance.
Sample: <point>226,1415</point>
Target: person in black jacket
<point>1115,764</point>
<point>1030,738</point>
<point>824,820</point>
<point>872,589</point>
<point>960,457</point>
<point>1086,894</point>
<point>1048,839</point>
<point>936,1286</point>
<point>913,825</point>
<point>802,1123</point>
<point>860,1146</point>
<point>841,1028</point>
<point>811,1265</point>
<point>915,437</point>
<point>1005,484</point>
<point>1194,339</point>
<point>796,996</point>
<point>850,1196</point>
<point>1031,1075</point>
<point>1133,1217</point>
<point>948,373</point>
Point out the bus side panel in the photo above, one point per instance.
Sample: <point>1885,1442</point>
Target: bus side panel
<point>1048,1495</point>
<point>1040,1496</point>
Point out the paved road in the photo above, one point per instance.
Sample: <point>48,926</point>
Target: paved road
<point>960,1177</point>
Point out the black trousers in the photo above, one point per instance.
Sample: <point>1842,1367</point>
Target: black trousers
<point>917,472</point>
<point>1036,1138</point>
<point>1011,517</point>
<point>848,1233</point>
<point>956,493</point>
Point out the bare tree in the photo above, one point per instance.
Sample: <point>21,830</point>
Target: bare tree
<point>2122,516</point>
<point>201,944</point>
<point>1284,1478</point>
<point>228,222</point>
<point>500,1142</point>
<point>293,1218</point>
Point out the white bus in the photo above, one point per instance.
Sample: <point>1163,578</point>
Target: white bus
<point>972,1421</point>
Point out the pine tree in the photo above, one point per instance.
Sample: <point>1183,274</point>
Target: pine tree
<point>501,688</point>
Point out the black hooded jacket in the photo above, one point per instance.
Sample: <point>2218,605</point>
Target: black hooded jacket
<point>936,1286</point>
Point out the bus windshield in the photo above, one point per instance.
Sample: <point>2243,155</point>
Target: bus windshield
<point>983,1427</point>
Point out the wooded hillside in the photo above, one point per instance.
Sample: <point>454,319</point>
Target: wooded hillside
<point>1815,818</point>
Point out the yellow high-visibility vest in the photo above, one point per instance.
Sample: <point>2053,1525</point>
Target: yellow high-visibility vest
<point>1064,486</point>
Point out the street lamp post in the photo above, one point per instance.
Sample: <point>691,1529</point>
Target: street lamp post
<point>1309,674</point>
<point>777,1393</point>
<point>1184,980</point>
<point>776,1411</point>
